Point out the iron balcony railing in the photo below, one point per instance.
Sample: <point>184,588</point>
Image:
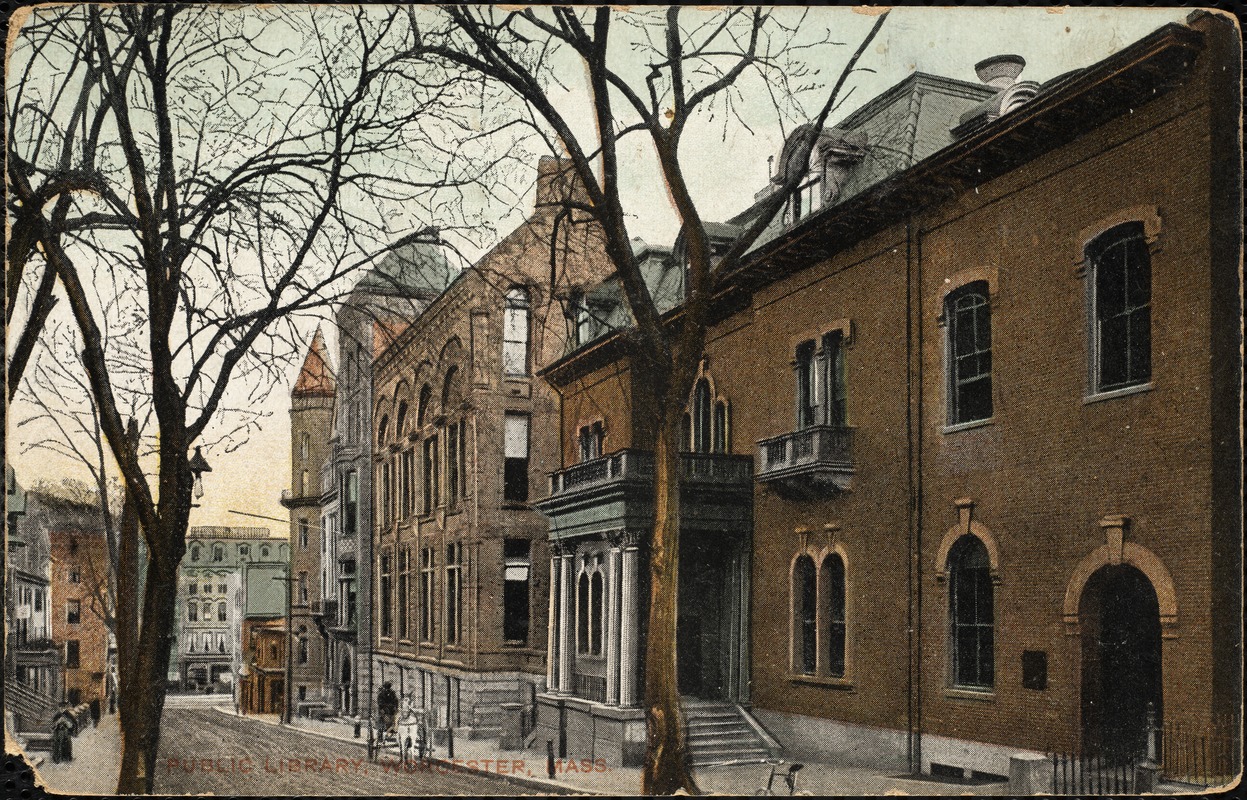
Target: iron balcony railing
<point>638,465</point>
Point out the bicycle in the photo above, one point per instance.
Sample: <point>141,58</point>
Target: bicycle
<point>790,778</point>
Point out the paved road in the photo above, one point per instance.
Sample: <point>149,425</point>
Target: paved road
<point>205,751</point>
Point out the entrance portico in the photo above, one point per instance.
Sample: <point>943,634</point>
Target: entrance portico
<point>600,515</point>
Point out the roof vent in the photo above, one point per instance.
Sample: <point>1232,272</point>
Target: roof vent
<point>1000,71</point>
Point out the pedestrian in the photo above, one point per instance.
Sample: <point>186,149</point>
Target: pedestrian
<point>387,706</point>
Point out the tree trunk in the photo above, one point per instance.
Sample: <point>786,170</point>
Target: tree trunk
<point>127,593</point>
<point>142,708</point>
<point>666,768</point>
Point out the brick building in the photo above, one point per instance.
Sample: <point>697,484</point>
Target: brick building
<point>990,389</point>
<point>459,451</point>
<point>262,684</point>
<point>382,301</point>
<point>79,596</point>
<point>311,421</point>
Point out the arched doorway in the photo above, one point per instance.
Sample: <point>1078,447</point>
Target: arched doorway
<point>1119,618</point>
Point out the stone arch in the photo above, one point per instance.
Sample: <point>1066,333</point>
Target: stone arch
<point>1140,558</point>
<point>1148,215</point>
<point>986,273</point>
<point>967,525</point>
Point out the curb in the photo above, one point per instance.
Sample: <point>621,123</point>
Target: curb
<point>527,782</point>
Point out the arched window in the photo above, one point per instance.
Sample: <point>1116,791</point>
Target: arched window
<point>195,553</point>
<point>422,409</point>
<point>805,616</point>
<point>221,611</point>
<point>218,552</point>
<point>400,422</point>
<point>720,427</point>
<point>450,389</point>
<point>305,443</point>
<point>833,604</point>
<point>971,614</point>
<point>382,428</point>
<point>702,424</point>
<point>595,613</point>
<point>582,613</point>
<point>967,314</point>
<point>1121,296</point>
<point>515,333</point>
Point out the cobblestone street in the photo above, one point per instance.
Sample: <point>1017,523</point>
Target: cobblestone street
<point>205,751</point>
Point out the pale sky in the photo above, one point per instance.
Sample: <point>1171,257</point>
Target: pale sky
<point>723,173</point>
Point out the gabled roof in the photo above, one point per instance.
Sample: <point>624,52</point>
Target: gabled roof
<point>316,378</point>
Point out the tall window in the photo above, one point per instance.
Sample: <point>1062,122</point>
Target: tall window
<point>422,410</point>
<point>516,566</point>
<point>807,397</point>
<point>222,611</point>
<point>720,427</point>
<point>302,653</point>
<point>302,589</point>
<point>515,477</point>
<point>386,597</point>
<point>836,386</point>
<point>454,467</point>
<point>589,440</point>
<point>71,654</point>
<point>833,581</point>
<point>386,512</point>
<point>73,612</point>
<point>970,606</point>
<point>967,313</point>
<point>805,613</point>
<point>583,318</point>
<point>305,444</point>
<point>431,468</point>
<point>1122,296</point>
<point>192,611</point>
<point>350,515</point>
<point>400,421</point>
<point>407,493</point>
<point>195,553</point>
<point>515,333</point>
<point>404,597</point>
<point>589,606</point>
<point>454,591</point>
<point>427,609</point>
<point>303,528</point>
<point>702,417</point>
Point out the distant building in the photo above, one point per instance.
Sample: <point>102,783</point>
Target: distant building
<point>32,674</point>
<point>263,675</point>
<point>80,594</point>
<point>311,423</point>
<point>381,303</point>
<point>461,445</point>
<point>226,575</point>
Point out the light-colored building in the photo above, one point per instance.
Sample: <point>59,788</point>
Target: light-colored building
<point>226,574</point>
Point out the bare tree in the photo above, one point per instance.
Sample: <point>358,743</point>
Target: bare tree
<point>204,175</point>
<point>695,63</point>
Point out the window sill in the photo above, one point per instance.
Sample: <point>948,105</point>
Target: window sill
<point>825,681</point>
<point>515,644</point>
<point>977,695</point>
<point>1115,393</point>
<point>967,426</point>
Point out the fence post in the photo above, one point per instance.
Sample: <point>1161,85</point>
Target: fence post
<point>1148,771</point>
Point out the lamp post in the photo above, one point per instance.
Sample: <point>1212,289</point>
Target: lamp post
<point>198,465</point>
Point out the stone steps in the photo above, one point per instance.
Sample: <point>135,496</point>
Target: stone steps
<point>719,733</point>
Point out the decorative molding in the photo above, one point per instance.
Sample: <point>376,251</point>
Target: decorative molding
<point>1114,552</point>
<point>1149,215</point>
<point>966,524</point>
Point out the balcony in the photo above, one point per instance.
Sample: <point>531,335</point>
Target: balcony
<point>615,493</point>
<point>811,462</point>
<point>325,608</point>
<point>35,645</point>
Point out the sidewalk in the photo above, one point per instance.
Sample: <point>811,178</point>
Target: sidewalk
<point>97,754</point>
<point>483,755</point>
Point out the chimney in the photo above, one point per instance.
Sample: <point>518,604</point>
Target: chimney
<point>557,182</point>
<point>1000,72</point>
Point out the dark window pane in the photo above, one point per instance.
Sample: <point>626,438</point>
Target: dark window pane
<point>515,479</point>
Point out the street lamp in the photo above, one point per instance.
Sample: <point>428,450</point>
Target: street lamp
<point>198,466</point>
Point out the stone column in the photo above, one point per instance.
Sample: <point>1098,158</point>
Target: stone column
<point>612,626</point>
<point>552,624</point>
<point>567,649</point>
<point>629,637</point>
